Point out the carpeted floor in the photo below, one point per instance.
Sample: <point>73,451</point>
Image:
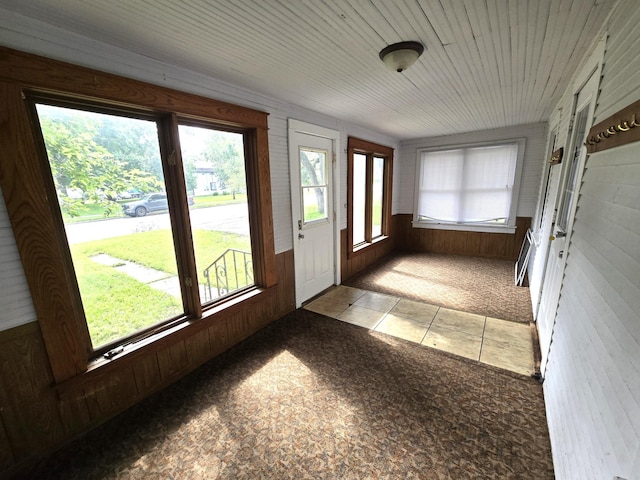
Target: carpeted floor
<point>469,284</point>
<point>312,397</point>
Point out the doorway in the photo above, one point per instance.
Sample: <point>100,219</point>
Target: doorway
<point>313,172</point>
<point>564,206</point>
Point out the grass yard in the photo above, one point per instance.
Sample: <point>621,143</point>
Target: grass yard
<point>154,249</point>
<point>117,305</point>
<point>215,200</point>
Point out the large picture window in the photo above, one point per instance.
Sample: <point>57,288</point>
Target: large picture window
<point>369,179</point>
<point>474,186</point>
<point>139,212</point>
<point>110,184</point>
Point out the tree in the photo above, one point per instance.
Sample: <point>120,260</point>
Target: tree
<point>131,141</point>
<point>190,176</point>
<point>313,168</point>
<point>79,162</point>
<point>228,162</point>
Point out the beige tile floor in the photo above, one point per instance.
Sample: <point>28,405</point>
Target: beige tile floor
<point>488,340</point>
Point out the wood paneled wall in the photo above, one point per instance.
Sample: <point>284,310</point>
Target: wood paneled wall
<point>357,261</point>
<point>36,418</point>
<point>478,244</point>
<point>403,236</point>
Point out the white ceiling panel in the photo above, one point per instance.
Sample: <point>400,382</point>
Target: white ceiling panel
<point>487,64</point>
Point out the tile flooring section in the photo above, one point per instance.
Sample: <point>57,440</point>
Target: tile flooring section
<point>496,342</point>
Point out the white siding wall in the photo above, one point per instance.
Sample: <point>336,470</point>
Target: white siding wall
<point>592,385</point>
<point>16,307</point>
<point>533,158</point>
<point>28,35</point>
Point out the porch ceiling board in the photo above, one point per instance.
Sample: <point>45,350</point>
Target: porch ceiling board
<point>488,64</point>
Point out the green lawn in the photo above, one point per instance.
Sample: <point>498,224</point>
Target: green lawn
<point>117,305</point>
<point>215,200</point>
<point>92,211</point>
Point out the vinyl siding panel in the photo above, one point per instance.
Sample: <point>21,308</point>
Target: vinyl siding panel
<point>620,85</point>
<point>592,384</point>
<point>15,300</point>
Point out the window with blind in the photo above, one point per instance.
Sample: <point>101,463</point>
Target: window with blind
<point>474,187</point>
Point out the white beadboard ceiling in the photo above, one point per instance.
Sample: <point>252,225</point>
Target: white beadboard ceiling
<point>487,64</point>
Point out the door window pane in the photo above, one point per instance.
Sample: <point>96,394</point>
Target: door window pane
<point>313,174</point>
<point>216,184</point>
<point>378,194</point>
<point>570,187</point>
<point>108,178</point>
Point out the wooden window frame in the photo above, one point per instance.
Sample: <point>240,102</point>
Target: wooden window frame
<point>37,222</point>
<point>370,150</point>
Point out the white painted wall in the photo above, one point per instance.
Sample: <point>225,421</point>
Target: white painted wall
<point>592,384</point>
<point>25,34</point>
<point>533,157</point>
<point>16,307</point>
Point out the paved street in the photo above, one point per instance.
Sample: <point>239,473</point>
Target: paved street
<point>227,218</point>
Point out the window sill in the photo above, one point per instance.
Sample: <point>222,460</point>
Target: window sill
<point>466,228</point>
<point>91,379</point>
<point>364,246</point>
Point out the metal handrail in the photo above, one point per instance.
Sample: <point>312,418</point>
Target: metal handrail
<point>223,283</point>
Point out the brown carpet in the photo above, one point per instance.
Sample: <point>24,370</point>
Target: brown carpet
<point>470,284</point>
<point>311,397</point>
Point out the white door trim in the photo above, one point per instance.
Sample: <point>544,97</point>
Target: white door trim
<point>297,126</point>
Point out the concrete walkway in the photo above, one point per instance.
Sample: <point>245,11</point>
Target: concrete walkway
<point>156,279</point>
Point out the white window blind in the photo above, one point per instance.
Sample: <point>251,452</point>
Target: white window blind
<point>467,185</point>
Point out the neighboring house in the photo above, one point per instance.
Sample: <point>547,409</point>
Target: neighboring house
<point>586,293</point>
<point>205,179</point>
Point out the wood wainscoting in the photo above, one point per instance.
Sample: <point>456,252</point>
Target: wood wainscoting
<point>502,246</point>
<point>37,417</point>
<point>352,263</point>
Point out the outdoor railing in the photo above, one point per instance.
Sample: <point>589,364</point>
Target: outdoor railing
<point>231,271</point>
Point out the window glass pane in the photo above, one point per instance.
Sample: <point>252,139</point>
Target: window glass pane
<point>314,201</point>
<point>440,185</point>
<point>217,196</point>
<point>378,193</point>
<point>313,171</point>
<point>313,165</point>
<point>359,197</point>
<point>570,187</point>
<point>110,186</point>
<point>472,185</point>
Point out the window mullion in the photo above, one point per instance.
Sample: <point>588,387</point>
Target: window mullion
<point>464,183</point>
<point>179,215</point>
<point>386,196</point>
<point>368,206</point>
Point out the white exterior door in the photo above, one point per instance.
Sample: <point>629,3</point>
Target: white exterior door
<point>565,205</point>
<point>312,197</point>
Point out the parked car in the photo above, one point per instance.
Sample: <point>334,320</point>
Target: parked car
<point>153,202</point>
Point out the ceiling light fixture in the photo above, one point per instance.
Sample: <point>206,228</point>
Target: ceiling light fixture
<point>401,56</point>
